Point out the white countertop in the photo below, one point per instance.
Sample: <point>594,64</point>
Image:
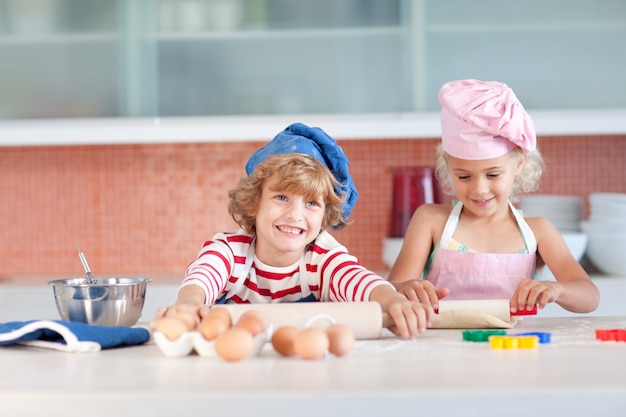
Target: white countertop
<point>437,375</point>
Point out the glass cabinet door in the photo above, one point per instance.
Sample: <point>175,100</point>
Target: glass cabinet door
<point>100,58</point>
<point>59,58</point>
<point>149,58</point>
<point>224,57</point>
<point>557,54</point>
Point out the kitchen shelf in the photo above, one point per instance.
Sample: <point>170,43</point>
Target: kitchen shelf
<point>549,27</point>
<point>252,35</point>
<point>59,38</point>
<point>262,35</point>
<point>422,125</point>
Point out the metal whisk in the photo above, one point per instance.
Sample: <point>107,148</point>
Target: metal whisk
<point>90,279</point>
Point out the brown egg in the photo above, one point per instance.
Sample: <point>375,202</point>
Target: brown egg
<point>234,344</point>
<point>220,312</point>
<point>154,323</point>
<point>252,321</point>
<point>190,320</point>
<point>212,326</point>
<point>311,343</point>
<point>171,327</point>
<point>340,338</point>
<point>283,340</point>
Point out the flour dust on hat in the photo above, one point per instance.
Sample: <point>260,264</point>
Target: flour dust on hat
<point>483,120</point>
<point>313,141</point>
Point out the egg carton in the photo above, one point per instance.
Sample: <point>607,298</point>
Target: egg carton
<point>192,341</point>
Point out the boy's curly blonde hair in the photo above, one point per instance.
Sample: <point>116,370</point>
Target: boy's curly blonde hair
<point>290,172</point>
<point>527,181</point>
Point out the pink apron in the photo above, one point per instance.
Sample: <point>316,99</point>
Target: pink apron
<point>472,275</point>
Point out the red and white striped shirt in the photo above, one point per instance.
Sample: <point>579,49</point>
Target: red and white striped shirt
<point>331,272</point>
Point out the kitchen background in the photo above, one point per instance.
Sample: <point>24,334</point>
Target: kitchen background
<point>145,210</point>
<point>142,206</point>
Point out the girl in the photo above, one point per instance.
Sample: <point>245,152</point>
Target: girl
<point>481,246</point>
<point>298,186</point>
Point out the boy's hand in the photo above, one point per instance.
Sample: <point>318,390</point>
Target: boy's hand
<point>190,301</point>
<point>409,318</point>
<point>184,308</point>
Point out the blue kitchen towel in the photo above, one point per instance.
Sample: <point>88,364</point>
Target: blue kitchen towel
<point>313,141</point>
<point>70,336</point>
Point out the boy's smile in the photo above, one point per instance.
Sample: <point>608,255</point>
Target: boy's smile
<point>286,222</point>
<point>290,230</point>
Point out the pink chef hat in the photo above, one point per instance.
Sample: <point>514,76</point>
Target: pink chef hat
<point>483,120</point>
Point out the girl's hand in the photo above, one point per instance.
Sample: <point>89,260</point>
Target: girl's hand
<point>531,292</point>
<point>421,290</point>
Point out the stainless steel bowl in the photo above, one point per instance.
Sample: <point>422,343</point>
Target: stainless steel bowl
<point>108,302</point>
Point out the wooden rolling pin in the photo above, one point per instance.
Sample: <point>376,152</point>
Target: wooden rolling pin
<point>500,308</point>
<point>364,318</point>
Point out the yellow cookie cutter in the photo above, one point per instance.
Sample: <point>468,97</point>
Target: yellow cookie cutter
<point>514,342</point>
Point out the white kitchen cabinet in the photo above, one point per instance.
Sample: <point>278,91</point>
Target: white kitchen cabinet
<point>555,54</point>
<point>179,58</point>
<point>201,57</point>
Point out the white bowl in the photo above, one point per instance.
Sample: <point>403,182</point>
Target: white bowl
<point>606,251</point>
<point>391,249</point>
<point>577,245</point>
<point>604,227</point>
<point>608,210</point>
<point>564,211</point>
<point>619,198</point>
<point>607,207</point>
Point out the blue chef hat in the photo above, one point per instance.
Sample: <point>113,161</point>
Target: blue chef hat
<point>313,141</point>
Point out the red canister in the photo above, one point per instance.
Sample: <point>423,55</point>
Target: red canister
<point>412,187</point>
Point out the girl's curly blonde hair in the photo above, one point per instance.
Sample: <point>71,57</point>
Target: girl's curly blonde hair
<point>289,172</point>
<point>525,182</point>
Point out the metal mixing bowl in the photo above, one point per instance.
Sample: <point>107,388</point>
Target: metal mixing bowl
<point>108,302</point>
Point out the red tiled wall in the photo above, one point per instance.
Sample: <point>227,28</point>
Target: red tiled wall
<point>144,210</point>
